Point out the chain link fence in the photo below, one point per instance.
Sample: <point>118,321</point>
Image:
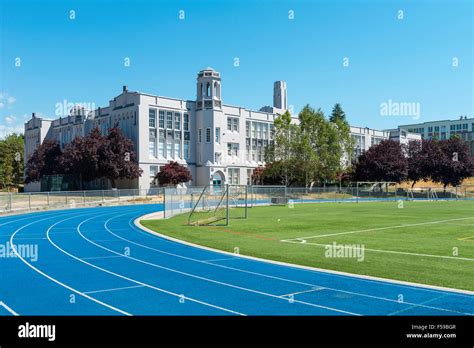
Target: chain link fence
<point>17,202</point>
<point>181,200</point>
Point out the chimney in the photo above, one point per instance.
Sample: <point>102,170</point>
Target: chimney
<point>33,114</point>
<point>125,89</point>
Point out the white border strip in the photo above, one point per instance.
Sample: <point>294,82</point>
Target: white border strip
<point>155,215</point>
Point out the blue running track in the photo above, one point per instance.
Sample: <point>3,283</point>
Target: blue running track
<point>95,261</point>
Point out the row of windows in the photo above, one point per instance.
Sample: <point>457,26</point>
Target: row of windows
<point>168,148</point>
<point>171,119</point>
<point>452,127</point>
<point>260,130</point>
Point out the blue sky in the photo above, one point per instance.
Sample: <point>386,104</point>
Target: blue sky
<point>82,60</point>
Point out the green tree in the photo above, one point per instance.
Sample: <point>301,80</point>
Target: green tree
<point>11,160</point>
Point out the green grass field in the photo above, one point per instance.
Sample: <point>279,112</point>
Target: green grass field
<point>423,242</point>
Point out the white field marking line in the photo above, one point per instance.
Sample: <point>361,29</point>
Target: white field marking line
<point>386,282</point>
<point>100,257</point>
<point>303,292</point>
<point>130,279</point>
<point>303,239</point>
<point>28,238</point>
<point>411,307</point>
<point>114,289</point>
<point>387,251</point>
<point>4,305</point>
<point>411,287</point>
<point>207,279</point>
<point>51,278</point>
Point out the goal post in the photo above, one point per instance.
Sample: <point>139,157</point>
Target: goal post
<point>217,205</point>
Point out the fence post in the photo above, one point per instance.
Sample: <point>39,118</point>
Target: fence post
<point>66,197</point>
<point>246,204</point>
<point>84,195</point>
<point>357,192</point>
<point>48,198</point>
<point>29,201</point>
<point>103,196</point>
<point>227,205</point>
<point>164,203</point>
<point>10,201</point>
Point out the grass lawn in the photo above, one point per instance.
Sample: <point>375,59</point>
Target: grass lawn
<point>430,228</point>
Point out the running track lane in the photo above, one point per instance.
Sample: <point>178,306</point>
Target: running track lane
<point>95,261</point>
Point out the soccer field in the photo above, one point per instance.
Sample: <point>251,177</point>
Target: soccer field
<point>423,242</point>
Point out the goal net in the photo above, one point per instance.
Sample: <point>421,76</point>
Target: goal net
<point>216,205</point>
<point>376,189</point>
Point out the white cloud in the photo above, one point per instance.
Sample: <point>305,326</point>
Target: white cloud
<point>9,120</point>
<point>6,130</point>
<point>2,105</point>
<point>11,100</point>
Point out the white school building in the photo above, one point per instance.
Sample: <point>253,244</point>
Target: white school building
<point>219,143</point>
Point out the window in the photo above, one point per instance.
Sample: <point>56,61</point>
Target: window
<point>272,132</point>
<point>430,129</point>
<point>177,120</point>
<point>186,150</point>
<point>208,135</point>
<point>247,129</point>
<point>177,144</point>
<point>169,145</point>
<point>233,124</point>
<point>218,135</point>
<point>152,118</point>
<point>161,119</point>
<point>186,122</point>
<point>153,171</point>
<point>254,130</point>
<point>233,176</point>
<point>161,145</point>
<point>169,120</point>
<point>233,149</point>
<point>199,135</point>
<point>152,147</point>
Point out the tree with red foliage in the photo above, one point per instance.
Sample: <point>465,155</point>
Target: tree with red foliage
<point>81,158</point>
<point>45,160</point>
<point>117,156</point>
<point>454,162</point>
<point>385,161</point>
<point>173,173</point>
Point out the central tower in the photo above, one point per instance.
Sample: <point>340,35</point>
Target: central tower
<point>208,94</point>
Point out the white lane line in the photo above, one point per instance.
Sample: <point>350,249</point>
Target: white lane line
<point>224,259</point>
<point>4,305</point>
<point>385,283</point>
<point>387,251</point>
<point>100,257</point>
<point>204,278</point>
<point>376,229</point>
<point>303,292</point>
<point>130,279</point>
<point>411,307</point>
<point>51,278</point>
<point>114,289</point>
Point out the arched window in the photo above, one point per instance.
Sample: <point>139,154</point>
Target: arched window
<point>208,90</point>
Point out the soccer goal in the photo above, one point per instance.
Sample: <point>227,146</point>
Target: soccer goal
<point>376,190</point>
<point>216,205</point>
